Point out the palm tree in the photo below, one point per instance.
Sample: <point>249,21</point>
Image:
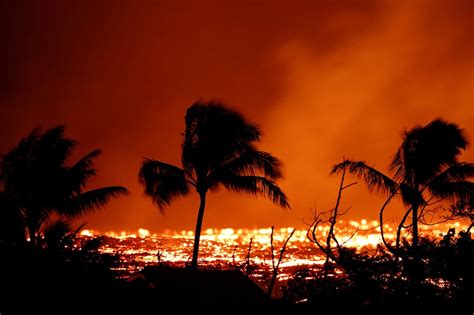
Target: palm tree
<point>12,229</point>
<point>219,149</point>
<point>425,168</point>
<point>37,182</point>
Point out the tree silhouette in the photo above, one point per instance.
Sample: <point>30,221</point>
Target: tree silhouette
<point>12,229</point>
<point>424,169</point>
<point>219,149</point>
<point>37,182</point>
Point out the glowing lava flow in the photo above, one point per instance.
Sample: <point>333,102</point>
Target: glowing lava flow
<point>227,247</point>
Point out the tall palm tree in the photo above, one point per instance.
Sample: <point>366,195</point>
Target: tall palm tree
<point>219,149</point>
<point>425,167</point>
<point>37,182</point>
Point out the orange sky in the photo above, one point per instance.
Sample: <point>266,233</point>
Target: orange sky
<point>323,78</point>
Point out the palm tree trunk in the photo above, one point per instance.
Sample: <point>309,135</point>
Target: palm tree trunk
<point>415,265</point>
<point>415,227</point>
<point>197,233</point>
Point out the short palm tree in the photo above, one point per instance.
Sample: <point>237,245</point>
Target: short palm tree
<point>219,149</point>
<point>37,182</point>
<point>425,167</point>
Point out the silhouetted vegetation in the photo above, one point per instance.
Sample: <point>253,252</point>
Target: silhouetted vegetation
<point>39,194</point>
<point>330,217</point>
<point>276,262</point>
<point>219,149</point>
<point>371,281</point>
<point>421,272</point>
<point>37,183</point>
<point>425,169</point>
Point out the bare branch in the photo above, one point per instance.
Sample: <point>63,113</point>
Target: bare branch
<point>349,185</point>
<point>247,259</point>
<point>345,211</point>
<point>350,237</point>
<point>334,214</point>
<point>275,268</point>
<point>271,246</point>
<point>400,226</point>
<point>438,222</point>
<point>387,245</point>
<point>233,257</point>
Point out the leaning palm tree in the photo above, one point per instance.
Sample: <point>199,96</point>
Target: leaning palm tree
<point>424,169</point>
<point>219,149</point>
<point>37,182</point>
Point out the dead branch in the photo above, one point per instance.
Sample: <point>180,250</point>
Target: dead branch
<point>233,257</point>
<point>350,237</point>
<point>334,214</point>
<point>399,229</point>
<point>446,219</point>
<point>311,235</point>
<point>280,258</point>
<point>387,245</point>
<point>349,185</point>
<point>271,247</point>
<point>247,258</point>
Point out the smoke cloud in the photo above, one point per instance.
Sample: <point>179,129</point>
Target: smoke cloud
<point>324,79</point>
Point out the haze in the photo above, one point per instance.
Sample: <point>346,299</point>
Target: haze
<point>324,79</point>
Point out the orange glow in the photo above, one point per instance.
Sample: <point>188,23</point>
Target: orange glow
<point>87,233</point>
<point>324,79</point>
<point>228,246</point>
<point>143,232</point>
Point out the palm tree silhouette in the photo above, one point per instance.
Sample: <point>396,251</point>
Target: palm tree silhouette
<point>425,167</point>
<point>37,182</point>
<point>219,149</point>
<point>12,229</point>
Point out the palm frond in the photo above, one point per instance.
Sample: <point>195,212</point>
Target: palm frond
<point>455,172</point>
<point>452,183</point>
<point>255,186</point>
<point>213,134</point>
<point>79,228</point>
<point>53,148</point>
<point>253,163</point>
<point>456,191</point>
<point>87,161</point>
<point>89,201</point>
<point>431,148</point>
<point>78,175</point>
<point>57,230</point>
<point>163,182</point>
<point>397,166</point>
<point>375,180</point>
